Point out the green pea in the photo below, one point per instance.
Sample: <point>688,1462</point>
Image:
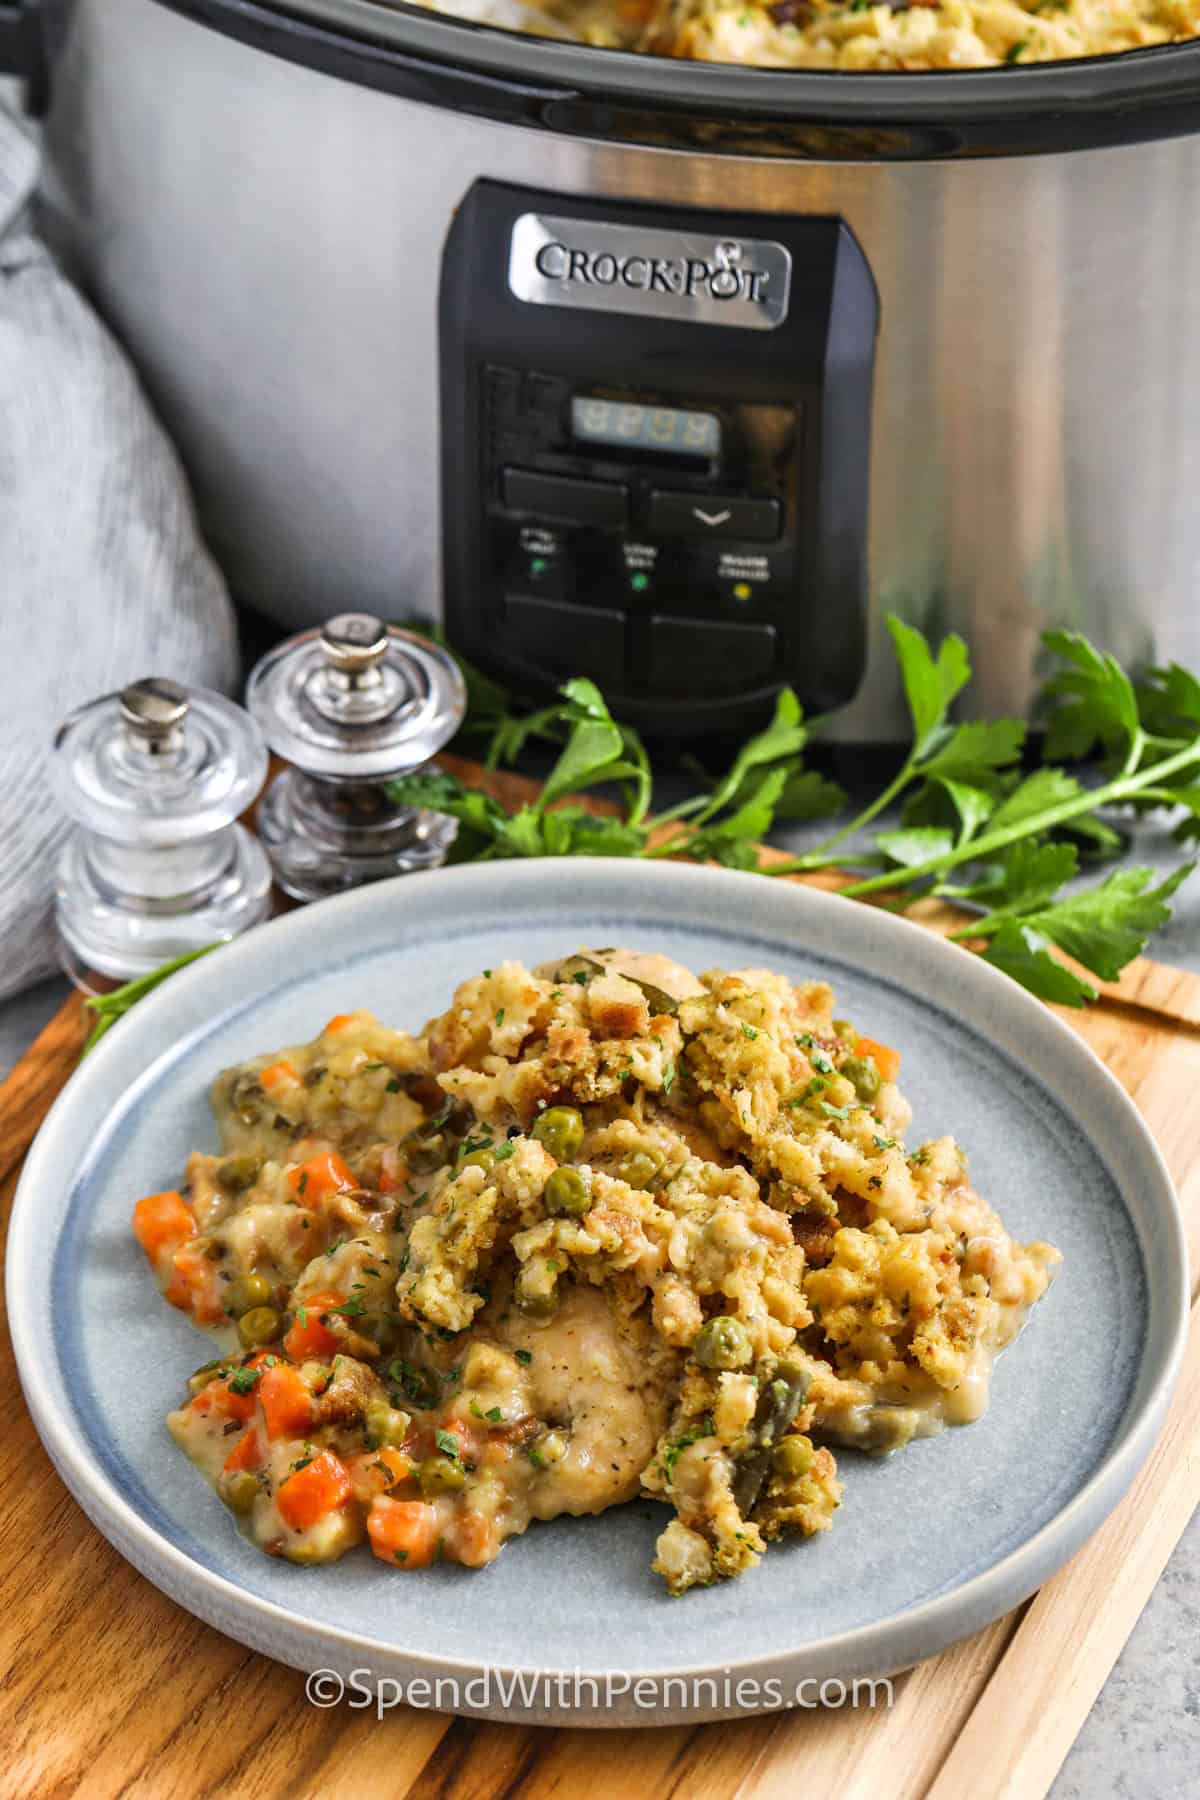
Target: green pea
<point>239,1490</point>
<point>567,1194</point>
<point>385,1424</point>
<point>792,1455</point>
<point>261,1325</point>
<point>862,1073</point>
<point>237,1173</point>
<point>536,1303</point>
<point>441,1475</point>
<point>639,1168</point>
<point>560,1129</point>
<point>723,1343</point>
<point>479,1159</point>
<point>547,1449</point>
<point>246,1294</point>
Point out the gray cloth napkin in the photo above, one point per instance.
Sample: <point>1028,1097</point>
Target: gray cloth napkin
<point>103,576</point>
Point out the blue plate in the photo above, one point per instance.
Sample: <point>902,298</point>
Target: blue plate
<point>926,1548</point>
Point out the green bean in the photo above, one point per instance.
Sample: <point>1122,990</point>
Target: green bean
<point>780,1399</point>
<point>237,1173</point>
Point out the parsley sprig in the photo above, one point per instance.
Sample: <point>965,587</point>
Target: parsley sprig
<point>106,1009</point>
<point>975,828</point>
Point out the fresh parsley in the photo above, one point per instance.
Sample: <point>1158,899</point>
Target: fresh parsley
<point>974,828</point>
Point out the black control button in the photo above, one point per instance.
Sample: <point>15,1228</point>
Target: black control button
<point>701,655</point>
<point>576,640</point>
<point>565,497</point>
<point>715,516</point>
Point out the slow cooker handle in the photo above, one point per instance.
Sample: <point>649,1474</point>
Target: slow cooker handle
<point>22,49</point>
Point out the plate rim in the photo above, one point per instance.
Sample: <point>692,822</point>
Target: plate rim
<point>876,1648</point>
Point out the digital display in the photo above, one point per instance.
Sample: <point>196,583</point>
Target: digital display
<point>631,426</point>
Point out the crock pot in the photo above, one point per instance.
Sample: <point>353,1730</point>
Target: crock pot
<point>675,374</point>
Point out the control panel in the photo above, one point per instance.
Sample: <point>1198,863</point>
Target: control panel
<point>655,430</point>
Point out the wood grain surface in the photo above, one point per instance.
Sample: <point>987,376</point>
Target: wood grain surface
<point>107,1687</point>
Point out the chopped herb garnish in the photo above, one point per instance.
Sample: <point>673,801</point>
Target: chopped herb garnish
<point>447,1443</point>
<point>500,1017</point>
<point>243,1381</point>
<point>352,1308</point>
<point>881,1143</point>
<point>582,976</point>
<point>816,1055</point>
<point>393,1086</point>
<point>668,1080</point>
<point>835,1112</point>
<point>523,1356</point>
<point>505,1150</point>
<point>302,1184</point>
<point>749,1031</point>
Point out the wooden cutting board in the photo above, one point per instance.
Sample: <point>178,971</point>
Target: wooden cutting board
<point>107,1687</point>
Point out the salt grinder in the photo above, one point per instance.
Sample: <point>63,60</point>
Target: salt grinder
<point>154,778</point>
<point>351,707</point>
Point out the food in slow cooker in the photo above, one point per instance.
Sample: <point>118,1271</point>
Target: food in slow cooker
<point>853,34</point>
<point>599,1230</point>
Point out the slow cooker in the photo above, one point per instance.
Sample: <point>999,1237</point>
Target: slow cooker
<point>674,374</point>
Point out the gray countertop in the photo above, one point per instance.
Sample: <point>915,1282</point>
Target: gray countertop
<point>1143,1735</point>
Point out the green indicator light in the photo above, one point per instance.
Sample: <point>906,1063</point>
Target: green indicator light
<point>538,566</point>
<point>639,582</point>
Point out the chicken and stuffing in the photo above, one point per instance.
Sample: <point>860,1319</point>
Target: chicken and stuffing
<point>600,1230</point>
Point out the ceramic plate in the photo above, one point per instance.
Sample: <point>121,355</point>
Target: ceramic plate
<point>926,1548</point>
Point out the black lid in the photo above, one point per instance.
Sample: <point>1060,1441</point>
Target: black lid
<point>818,115</point>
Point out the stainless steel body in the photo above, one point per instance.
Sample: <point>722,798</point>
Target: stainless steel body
<point>266,239</point>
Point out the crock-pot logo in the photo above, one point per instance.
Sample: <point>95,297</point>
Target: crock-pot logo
<point>725,278</point>
<point>669,274</point>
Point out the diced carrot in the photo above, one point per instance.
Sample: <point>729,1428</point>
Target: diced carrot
<point>313,1491</point>
<point>886,1060</point>
<point>470,1440</point>
<point>193,1287</point>
<point>277,1075</point>
<point>338,1022</point>
<point>162,1220</point>
<point>378,1471</point>
<point>313,1181</point>
<point>285,1400</point>
<point>393,1171</point>
<point>403,1532</point>
<point>219,1397</point>
<point>246,1453</point>
<point>306,1337</point>
<point>475,1539</point>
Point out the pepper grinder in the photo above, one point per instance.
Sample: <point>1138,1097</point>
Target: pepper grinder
<point>154,778</point>
<point>352,706</point>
